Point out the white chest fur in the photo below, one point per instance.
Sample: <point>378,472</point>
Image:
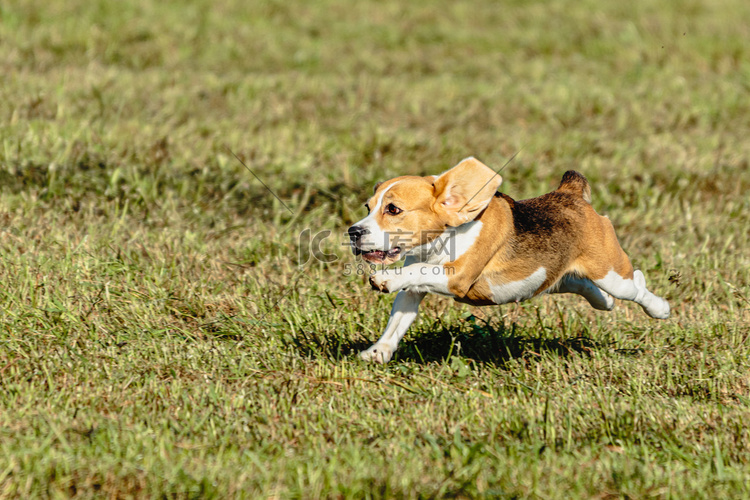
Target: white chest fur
<point>449,245</point>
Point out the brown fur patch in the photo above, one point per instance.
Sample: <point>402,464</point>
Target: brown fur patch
<point>558,231</point>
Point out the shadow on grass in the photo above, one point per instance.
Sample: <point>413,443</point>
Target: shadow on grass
<point>480,342</point>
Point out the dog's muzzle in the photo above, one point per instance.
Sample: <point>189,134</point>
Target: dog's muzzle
<point>371,256</point>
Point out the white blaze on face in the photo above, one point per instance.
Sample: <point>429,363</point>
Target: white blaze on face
<point>517,291</point>
<point>374,238</point>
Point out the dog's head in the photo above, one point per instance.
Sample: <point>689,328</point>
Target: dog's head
<point>410,211</point>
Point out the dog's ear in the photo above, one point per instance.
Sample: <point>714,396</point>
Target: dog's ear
<point>464,191</point>
<point>375,189</point>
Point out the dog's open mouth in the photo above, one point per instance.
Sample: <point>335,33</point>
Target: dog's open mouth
<point>382,257</point>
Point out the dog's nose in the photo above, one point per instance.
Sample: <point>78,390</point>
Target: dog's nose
<point>355,232</point>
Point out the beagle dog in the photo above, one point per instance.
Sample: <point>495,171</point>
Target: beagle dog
<point>462,239</point>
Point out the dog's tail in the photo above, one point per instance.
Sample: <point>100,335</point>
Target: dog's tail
<point>575,184</point>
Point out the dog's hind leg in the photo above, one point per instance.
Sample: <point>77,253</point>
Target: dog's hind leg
<point>403,314</point>
<point>598,298</point>
<point>634,289</point>
<point>607,265</point>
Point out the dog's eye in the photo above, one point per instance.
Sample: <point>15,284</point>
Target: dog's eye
<point>392,209</point>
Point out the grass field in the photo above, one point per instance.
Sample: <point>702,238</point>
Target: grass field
<point>161,338</point>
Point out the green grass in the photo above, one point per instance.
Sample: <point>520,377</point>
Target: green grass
<point>158,338</point>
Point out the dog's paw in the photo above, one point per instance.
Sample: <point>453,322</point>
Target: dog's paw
<point>653,305</point>
<point>656,307</point>
<point>379,353</point>
<point>383,281</point>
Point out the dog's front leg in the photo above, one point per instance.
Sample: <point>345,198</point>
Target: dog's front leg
<point>425,278</point>
<point>403,314</point>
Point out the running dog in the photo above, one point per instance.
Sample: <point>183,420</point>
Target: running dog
<point>462,239</point>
